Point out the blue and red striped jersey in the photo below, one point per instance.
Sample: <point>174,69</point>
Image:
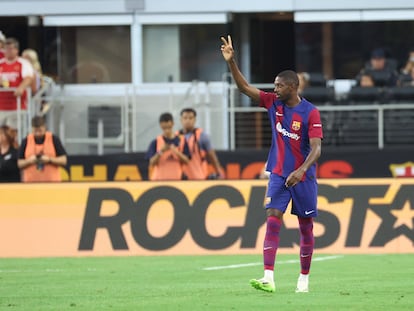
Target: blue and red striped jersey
<point>292,127</point>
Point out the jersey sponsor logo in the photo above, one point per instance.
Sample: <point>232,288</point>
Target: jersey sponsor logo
<point>10,76</point>
<point>296,125</point>
<point>317,125</point>
<point>286,133</point>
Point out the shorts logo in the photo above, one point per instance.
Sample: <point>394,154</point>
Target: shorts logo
<point>268,200</point>
<point>296,125</point>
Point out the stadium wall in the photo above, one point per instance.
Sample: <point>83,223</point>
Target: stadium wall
<point>247,164</point>
<point>197,218</point>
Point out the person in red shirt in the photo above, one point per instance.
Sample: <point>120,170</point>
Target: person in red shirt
<point>2,42</point>
<point>17,73</point>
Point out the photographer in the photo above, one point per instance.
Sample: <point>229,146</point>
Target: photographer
<point>41,154</point>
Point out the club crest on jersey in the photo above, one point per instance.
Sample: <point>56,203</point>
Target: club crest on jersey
<point>296,125</point>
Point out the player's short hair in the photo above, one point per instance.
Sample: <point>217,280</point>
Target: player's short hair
<point>38,121</point>
<point>191,110</point>
<point>289,76</point>
<point>166,117</point>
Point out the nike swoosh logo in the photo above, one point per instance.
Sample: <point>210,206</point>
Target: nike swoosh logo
<point>267,248</point>
<point>279,114</point>
<point>308,212</point>
<point>304,256</point>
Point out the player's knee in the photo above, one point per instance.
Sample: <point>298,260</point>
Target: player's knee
<point>274,212</point>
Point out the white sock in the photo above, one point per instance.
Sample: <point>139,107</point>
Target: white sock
<point>268,275</point>
<point>303,276</point>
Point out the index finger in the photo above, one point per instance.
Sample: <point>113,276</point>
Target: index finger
<point>229,40</point>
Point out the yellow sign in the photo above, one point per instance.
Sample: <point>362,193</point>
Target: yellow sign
<point>197,217</point>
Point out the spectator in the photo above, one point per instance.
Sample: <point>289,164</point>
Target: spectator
<point>382,70</point>
<point>9,171</point>
<point>409,64</point>
<point>41,154</point>
<point>168,152</point>
<point>304,79</point>
<point>408,78</point>
<point>2,42</point>
<point>406,74</point>
<point>32,57</point>
<point>200,148</point>
<point>15,72</point>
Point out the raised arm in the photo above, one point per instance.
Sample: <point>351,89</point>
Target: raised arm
<point>244,87</point>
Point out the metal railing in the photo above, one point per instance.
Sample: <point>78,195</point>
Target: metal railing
<point>125,118</point>
<point>23,116</point>
<point>82,124</point>
<point>33,105</point>
<point>345,124</point>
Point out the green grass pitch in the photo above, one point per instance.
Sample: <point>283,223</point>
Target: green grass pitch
<point>348,282</point>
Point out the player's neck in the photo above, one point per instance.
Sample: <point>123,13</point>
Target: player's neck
<point>294,101</point>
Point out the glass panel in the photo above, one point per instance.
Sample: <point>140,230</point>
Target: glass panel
<point>309,47</point>
<point>200,56</point>
<point>352,43</point>
<point>161,52</point>
<point>100,54</point>
<point>183,53</point>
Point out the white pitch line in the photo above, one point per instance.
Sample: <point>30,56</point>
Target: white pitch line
<point>43,270</point>
<point>291,261</point>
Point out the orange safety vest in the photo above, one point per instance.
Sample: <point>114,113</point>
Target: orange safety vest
<point>50,172</point>
<point>169,166</point>
<point>197,168</point>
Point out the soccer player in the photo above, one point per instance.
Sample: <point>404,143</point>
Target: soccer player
<point>296,146</point>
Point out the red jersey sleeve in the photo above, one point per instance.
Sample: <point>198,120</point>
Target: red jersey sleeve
<point>267,99</point>
<point>315,124</point>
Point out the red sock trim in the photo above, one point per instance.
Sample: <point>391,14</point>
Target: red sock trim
<point>275,218</point>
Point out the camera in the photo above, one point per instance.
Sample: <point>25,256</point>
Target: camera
<point>39,164</point>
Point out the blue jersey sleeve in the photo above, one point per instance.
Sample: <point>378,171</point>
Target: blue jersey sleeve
<point>205,143</point>
<point>152,149</point>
